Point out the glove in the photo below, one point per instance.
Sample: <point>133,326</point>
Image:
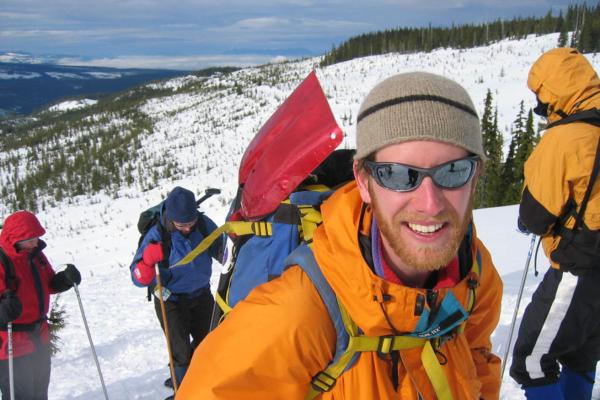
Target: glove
<point>10,307</point>
<point>72,274</point>
<point>153,254</point>
<point>522,228</point>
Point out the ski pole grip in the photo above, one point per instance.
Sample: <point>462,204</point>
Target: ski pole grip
<point>208,193</point>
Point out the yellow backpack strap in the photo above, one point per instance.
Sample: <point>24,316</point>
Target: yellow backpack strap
<point>435,373</point>
<point>222,304</point>
<point>350,343</point>
<point>326,379</point>
<point>240,228</point>
<point>310,219</point>
<point>357,343</point>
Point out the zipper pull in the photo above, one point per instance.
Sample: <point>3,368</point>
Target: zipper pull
<point>432,296</point>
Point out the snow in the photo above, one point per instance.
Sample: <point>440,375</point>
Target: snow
<point>207,132</point>
<point>72,105</point>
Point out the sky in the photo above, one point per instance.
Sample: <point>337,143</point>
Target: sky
<point>193,34</point>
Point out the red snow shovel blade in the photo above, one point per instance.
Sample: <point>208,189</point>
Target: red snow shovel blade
<point>292,143</point>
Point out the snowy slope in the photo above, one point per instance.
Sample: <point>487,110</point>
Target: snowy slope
<point>207,134</point>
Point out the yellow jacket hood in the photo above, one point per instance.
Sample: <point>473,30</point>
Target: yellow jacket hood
<point>565,80</point>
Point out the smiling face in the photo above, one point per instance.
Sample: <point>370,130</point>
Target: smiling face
<point>421,229</point>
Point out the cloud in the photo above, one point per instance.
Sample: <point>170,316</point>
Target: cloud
<point>292,26</point>
<point>455,4</point>
<point>20,15</point>
<point>188,63</point>
<point>261,23</point>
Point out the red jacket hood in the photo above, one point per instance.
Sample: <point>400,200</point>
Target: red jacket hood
<point>20,225</point>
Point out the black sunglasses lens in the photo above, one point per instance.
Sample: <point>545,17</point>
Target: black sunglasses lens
<point>403,178</point>
<point>398,177</point>
<point>453,174</point>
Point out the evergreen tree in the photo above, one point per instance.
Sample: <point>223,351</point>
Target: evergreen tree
<point>524,139</point>
<point>489,188</point>
<point>56,321</point>
<point>513,168</point>
<point>508,170</point>
<point>561,26</point>
<point>589,39</point>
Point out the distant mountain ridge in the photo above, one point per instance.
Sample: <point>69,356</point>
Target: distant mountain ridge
<point>28,83</point>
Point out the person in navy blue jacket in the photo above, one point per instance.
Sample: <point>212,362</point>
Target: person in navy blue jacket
<point>186,288</point>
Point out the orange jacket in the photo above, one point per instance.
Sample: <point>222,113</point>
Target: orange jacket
<point>560,166</point>
<point>275,341</point>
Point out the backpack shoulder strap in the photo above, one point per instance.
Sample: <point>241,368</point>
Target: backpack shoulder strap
<point>202,225</point>
<point>304,258</point>
<point>350,342</point>
<point>588,116</point>
<point>165,239</point>
<point>9,270</point>
<point>571,210</point>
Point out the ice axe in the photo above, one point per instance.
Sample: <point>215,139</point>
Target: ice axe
<point>208,193</point>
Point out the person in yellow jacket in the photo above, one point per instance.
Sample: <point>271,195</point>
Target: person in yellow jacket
<point>397,240</point>
<point>561,324</point>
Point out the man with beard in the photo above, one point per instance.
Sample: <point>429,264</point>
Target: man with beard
<point>558,345</point>
<point>398,248</point>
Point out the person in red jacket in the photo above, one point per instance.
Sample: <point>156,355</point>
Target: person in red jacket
<point>25,287</point>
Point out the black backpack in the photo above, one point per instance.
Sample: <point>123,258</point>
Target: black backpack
<point>579,247</point>
<point>10,278</point>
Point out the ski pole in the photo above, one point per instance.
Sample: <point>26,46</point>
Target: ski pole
<point>11,372</point>
<point>514,318</point>
<point>163,311</point>
<point>89,335</point>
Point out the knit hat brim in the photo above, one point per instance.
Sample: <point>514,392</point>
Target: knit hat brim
<point>417,106</point>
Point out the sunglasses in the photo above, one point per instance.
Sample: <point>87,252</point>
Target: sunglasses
<point>405,178</point>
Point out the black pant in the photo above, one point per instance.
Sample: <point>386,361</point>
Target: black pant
<point>31,375</point>
<point>186,317</point>
<point>560,325</point>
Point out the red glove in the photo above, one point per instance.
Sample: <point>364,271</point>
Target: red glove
<point>144,270</point>
<point>144,273</point>
<point>153,254</point>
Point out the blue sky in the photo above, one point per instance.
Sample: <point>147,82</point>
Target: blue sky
<point>192,34</point>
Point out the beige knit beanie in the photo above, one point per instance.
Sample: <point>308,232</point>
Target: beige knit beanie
<point>417,106</point>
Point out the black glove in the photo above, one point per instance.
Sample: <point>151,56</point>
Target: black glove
<point>522,228</point>
<point>72,274</point>
<point>10,307</point>
<point>65,279</point>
